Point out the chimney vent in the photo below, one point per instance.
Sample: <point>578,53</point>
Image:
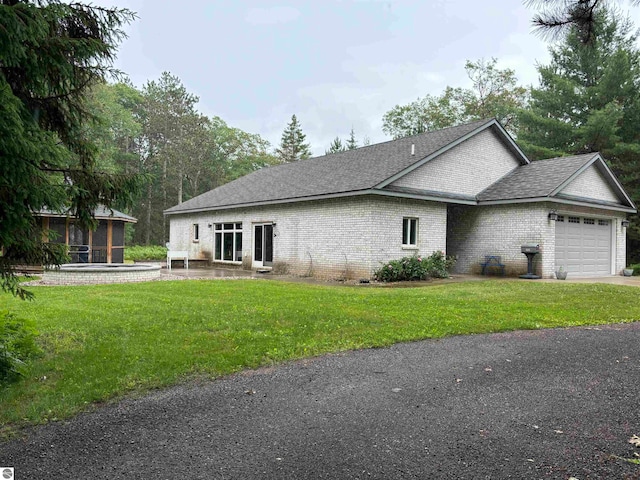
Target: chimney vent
<point>413,149</point>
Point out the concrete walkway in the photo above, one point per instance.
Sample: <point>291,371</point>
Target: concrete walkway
<point>221,273</point>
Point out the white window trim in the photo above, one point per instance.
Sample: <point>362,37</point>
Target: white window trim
<point>410,246</point>
<point>222,231</point>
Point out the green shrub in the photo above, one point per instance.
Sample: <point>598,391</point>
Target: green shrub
<point>17,346</point>
<point>636,269</point>
<point>140,253</point>
<point>437,265</point>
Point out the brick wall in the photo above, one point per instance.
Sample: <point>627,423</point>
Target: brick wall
<point>98,276</point>
<point>474,232</point>
<point>591,184</point>
<point>467,168</point>
<point>338,238</point>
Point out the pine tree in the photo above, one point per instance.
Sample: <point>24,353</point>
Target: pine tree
<point>52,53</point>
<point>335,147</point>
<point>352,144</point>
<point>560,17</point>
<point>292,147</point>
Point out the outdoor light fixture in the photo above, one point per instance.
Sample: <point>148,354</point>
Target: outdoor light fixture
<point>553,215</point>
<point>624,223</point>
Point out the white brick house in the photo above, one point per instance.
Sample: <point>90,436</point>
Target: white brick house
<point>466,190</point>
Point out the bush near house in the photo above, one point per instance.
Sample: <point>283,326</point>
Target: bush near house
<point>140,253</point>
<point>437,265</point>
<point>17,346</point>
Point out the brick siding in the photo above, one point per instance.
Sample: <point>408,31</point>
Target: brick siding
<point>591,184</point>
<point>338,238</point>
<point>467,168</point>
<point>474,232</point>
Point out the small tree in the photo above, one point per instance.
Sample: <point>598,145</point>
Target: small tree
<point>292,146</point>
<point>352,144</point>
<point>335,147</point>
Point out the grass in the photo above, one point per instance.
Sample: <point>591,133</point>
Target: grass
<point>103,342</point>
<point>140,253</point>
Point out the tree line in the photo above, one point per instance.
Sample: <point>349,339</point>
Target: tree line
<point>157,133</point>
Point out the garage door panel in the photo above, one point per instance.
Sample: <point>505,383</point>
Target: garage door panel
<point>583,249</point>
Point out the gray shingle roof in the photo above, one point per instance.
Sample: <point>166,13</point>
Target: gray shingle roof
<point>100,212</point>
<point>350,171</point>
<point>537,179</point>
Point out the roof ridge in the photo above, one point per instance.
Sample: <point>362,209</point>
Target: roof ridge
<point>577,155</point>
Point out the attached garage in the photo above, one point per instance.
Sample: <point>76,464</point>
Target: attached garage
<point>584,245</point>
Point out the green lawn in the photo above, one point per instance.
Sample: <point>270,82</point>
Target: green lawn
<point>102,342</point>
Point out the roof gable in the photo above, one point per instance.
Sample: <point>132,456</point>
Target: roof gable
<point>552,179</point>
<point>466,168</point>
<point>590,184</point>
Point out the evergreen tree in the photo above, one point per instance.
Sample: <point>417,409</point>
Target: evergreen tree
<point>292,147</point>
<point>561,16</point>
<point>588,101</point>
<point>352,144</point>
<point>336,146</point>
<point>51,54</point>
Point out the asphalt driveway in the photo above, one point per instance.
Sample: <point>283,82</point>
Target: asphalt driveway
<point>541,404</point>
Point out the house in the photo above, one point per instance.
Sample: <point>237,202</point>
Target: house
<point>466,190</point>
<point>104,245</point>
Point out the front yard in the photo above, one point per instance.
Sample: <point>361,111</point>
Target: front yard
<point>102,342</point>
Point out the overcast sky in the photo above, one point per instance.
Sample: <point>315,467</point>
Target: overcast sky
<point>335,64</point>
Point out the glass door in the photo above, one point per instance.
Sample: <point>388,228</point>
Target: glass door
<point>263,245</point>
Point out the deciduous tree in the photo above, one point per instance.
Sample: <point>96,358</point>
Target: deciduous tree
<point>495,93</point>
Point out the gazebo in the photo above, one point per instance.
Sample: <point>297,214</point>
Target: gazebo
<point>104,245</point>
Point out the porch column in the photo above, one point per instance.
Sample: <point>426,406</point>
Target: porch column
<point>109,239</point>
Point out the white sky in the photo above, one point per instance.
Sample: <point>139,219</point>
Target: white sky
<point>335,64</point>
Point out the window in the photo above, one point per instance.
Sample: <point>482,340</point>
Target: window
<point>196,232</point>
<point>228,242</point>
<point>603,223</point>
<point>574,219</point>
<point>409,232</point>
<point>589,221</point>
<point>560,218</point>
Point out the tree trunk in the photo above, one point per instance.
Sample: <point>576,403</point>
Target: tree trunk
<point>147,235</point>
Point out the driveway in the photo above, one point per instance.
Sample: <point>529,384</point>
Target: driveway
<point>525,405</point>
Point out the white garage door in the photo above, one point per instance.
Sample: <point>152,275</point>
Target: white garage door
<point>583,245</point>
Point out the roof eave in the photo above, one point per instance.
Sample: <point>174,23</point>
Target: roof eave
<point>97,217</point>
<point>565,201</point>
<point>268,202</point>
<point>371,191</point>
